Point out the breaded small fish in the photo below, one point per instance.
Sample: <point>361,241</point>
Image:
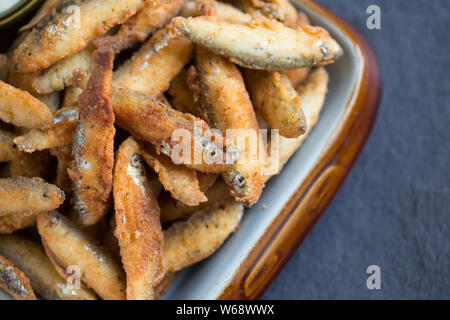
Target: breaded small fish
<point>225,11</point>
<point>219,88</point>
<point>151,69</point>
<point>71,96</point>
<point>72,30</point>
<point>59,134</point>
<point>14,281</point>
<point>71,247</point>
<point>22,109</point>
<point>28,195</point>
<point>312,95</point>
<point>59,76</point>
<point>10,223</point>
<point>172,210</point>
<point>188,242</point>
<point>276,100</point>
<point>46,12</point>
<point>152,17</point>
<point>180,181</point>
<point>281,10</point>
<point>138,224</point>
<point>297,76</point>
<point>93,143</point>
<point>150,120</point>
<point>32,260</point>
<point>262,44</point>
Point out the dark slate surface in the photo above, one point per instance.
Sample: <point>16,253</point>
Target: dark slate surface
<point>394,209</point>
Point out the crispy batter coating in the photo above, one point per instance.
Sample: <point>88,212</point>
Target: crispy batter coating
<point>262,44</point>
<point>276,100</point>
<point>10,223</point>
<point>48,9</point>
<point>93,143</point>
<point>150,120</point>
<point>32,260</point>
<point>59,134</point>
<point>188,242</point>
<point>281,10</point>
<point>59,76</point>
<point>27,196</point>
<point>297,76</point>
<point>72,247</point>
<point>312,94</point>
<point>136,29</point>
<point>219,88</point>
<point>151,69</point>
<point>180,181</point>
<point>173,210</point>
<point>138,224</point>
<point>65,35</point>
<point>71,96</point>
<point>225,11</point>
<point>22,109</point>
<point>14,281</point>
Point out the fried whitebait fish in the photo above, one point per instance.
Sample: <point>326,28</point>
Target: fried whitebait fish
<point>225,11</point>
<point>172,210</point>
<point>219,88</point>
<point>182,182</point>
<point>71,96</point>
<point>32,260</point>
<point>71,247</point>
<point>22,109</point>
<point>152,17</point>
<point>312,94</point>
<point>262,44</point>
<point>27,196</point>
<point>151,120</point>
<point>59,76</point>
<point>10,223</point>
<point>151,69</point>
<point>59,134</point>
<point>297,76</point>
<point>276,100</point>
<point>14,281</point>
<point>281,10</point>
<point>93,143</point>
<point>138,226</point>
<point>188,242</point>
<point>45,12</point>
<point>71,31</point>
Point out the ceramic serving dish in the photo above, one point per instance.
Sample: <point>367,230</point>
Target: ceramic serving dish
<point>293,201</point>
<point>249,261</point>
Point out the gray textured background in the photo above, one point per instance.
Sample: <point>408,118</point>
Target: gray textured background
<point>394,209</point>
